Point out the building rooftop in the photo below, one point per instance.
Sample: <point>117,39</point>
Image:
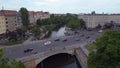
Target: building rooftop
<point>9,12</point>
<point>97,14</point>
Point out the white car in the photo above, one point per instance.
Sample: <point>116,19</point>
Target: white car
<point>47,43</point>
<point>100,31</point>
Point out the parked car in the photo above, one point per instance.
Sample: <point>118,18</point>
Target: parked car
<point>47,43</point>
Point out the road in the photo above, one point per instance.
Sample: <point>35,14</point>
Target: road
<point>18,51</point>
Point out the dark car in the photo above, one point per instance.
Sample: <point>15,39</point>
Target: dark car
<point>87,37</point>
<point>57,39</point>
<point>64,40</point>
<point>82,35</point>
<point>28,50</point>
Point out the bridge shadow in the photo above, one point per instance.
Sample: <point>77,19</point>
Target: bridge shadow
<point>61,60</point>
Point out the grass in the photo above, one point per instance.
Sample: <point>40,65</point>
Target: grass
<point>90,47</point>
<point>13,42</point>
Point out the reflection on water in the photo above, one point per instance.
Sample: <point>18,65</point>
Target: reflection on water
<point>58,33</point>
<point>60,61</point>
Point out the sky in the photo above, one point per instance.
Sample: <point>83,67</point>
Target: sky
<point>64,6</point>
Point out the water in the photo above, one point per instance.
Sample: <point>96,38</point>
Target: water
<point>58,33</point>
<point>59,61</point>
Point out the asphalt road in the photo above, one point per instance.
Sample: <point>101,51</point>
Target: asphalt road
<point>18,51</point>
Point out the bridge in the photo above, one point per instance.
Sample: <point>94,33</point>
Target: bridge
<point>33,60</point>
<point>41,52</point>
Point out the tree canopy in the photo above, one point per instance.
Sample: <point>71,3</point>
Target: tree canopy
<point>24,16</point>
<point>69,20</point>
<point>107,53</point>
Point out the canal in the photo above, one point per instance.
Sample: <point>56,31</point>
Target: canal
<point>59,61</point>
<point>59,33</point>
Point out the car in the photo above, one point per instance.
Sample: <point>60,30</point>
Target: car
<point>87,37</point>
<point>28,50</point>
<point>57,39</point>
<point>77,39</point>
<point>64,40</point>
<point>82,35</point>
<point>100,31</point>
<point>47,43</point>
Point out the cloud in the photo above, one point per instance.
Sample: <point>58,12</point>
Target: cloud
<point>64,5</point>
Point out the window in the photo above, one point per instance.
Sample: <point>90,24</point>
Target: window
<point>6,25</point>
<point>7,30</point>
<point>6,22</point>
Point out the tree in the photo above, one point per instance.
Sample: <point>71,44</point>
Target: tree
<point>75,23</point>
<point>107,53</point>
<point>6,63</point>
<point>36,31</point>
<point>39,22</point>
<point>24,16</point>
<point>82,23</point>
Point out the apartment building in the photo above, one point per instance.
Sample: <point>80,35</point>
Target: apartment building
<point>45,15</point>
<point>93,20</point>
<point>10,17</point>
<point>41,15</point>
<point>19,21</point>
<point>31,17</point>
<point>2,23</point>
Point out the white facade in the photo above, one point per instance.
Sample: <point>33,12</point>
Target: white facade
<point>31,17</point>
<point>2,24</point>
<point>94,20</point>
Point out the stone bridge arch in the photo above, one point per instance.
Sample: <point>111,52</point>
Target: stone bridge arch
<point>65,54</point>
<point>38,60</point>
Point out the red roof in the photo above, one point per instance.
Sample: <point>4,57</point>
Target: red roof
<point>9,12</point>
<point>41,12</point>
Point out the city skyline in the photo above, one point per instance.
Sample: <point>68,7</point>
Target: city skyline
<point>63,6</point>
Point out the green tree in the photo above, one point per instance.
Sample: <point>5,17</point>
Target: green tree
<point>6,63</point>
<point>36,31</point>
<point>24,16</point>
<point>74,24</point>
<point>107,53</point>
<point>39,22</point>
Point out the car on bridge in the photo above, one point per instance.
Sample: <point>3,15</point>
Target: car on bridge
<point>28,50</point>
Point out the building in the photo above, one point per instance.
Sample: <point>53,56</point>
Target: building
<point>45,15</point>
<point>10,17</point>
<point>31,17</point>
<point>41,15</point>
<point>93,20</point>
<point>19,21</point>
<point>2,23</point>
